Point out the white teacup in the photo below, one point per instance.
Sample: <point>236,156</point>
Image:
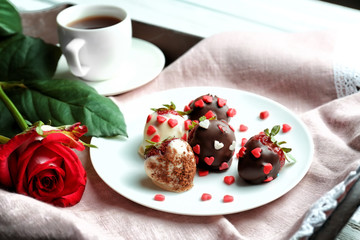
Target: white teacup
<point>95,40</point>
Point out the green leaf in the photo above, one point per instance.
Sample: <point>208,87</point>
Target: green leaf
<point>24,58</point>
<point>287,150</point>
<point>10,22</point>
<point>275,130</point>
<point>266,131</point>
<point>290,158</point>
<point>64,102</point>
<point>8,125</point>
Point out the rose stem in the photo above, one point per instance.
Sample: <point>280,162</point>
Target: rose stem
<point>13,110</point>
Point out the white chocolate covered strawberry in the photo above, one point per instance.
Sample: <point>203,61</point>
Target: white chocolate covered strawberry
<point>171,165</point>
<point>163,123</point>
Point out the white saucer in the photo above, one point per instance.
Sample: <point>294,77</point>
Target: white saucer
<point>145,62</point>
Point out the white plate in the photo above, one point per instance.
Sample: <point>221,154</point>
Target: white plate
<point>117,162</point>
<point>145,62</point>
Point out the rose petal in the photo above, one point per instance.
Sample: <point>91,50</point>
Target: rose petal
<point>5,152</point>
<point>74,131</point>
<point>70,199</point>
<point>75,173</point>
<point>18,171</point>
<point>62,138</point>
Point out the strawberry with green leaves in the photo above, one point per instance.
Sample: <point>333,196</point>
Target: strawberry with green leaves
<point>171,164</point>
<point>262,157</point>
<point>163,123</point>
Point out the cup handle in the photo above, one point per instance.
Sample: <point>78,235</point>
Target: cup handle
<point>72,50</point>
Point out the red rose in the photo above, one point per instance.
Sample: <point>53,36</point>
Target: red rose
<point>41,164</point>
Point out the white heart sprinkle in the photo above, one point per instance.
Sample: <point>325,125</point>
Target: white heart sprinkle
<point>218,145</point>
<point>232,146</point>
<point>204,124</point>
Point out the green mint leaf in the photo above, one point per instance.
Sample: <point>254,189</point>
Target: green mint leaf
<point>10,19</point>
<point>65,102</point>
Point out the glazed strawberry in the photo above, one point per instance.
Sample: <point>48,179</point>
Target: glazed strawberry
<point>209,106</point>
<point>171,164</point>
<point>213,143</point>
<point>155,148</point>
<point>164,122</point>
<point>262,157</point>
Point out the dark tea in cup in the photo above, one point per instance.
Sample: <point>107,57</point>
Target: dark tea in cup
<point>95,40</point>
<point>94,22</point>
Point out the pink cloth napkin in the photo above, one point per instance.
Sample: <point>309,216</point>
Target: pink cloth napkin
<point>302,71</point>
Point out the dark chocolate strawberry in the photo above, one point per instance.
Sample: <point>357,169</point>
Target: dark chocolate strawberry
<point>209,106</point>
<point>213,142</point>
<point>262,157</point>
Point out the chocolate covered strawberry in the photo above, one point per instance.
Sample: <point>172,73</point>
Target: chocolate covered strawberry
<point>170,164</point>
<point>262,157</point>
<point>209,106</point>
<point>163,123</point>
<point>213,142</point>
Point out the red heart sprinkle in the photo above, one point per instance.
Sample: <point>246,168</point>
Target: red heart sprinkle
<point>267,168</point>
<point>269,179</point>
<point>187,108</point>
<point>256,152</point>
<point>228,198</point>
<point>172,122</point>
<point>243,141</point>
<point>207,98</point>
<point>203,173</point>
<point>223,166</point>
<point>229,180</point>
<point>264,115</point>
<point>161,119</point>
<point>148,118</point>
<point>184,137</point>
<point>209,114</point>
<point>151,130</point>
<point>231,112</point>
<point>196,159</point>
<point>156,138</point>
<point>209,160</point>
<point>205,197</point>
<point>222,128</point>
<point>221,102</point>
<point>196,149</point>
<point>159,197</point>
<point>243,128</point>
<point>286,128</point>
<point>199,103</point>
<point>231,128</point>
<point>187,124</point>
<point>241,152</point>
